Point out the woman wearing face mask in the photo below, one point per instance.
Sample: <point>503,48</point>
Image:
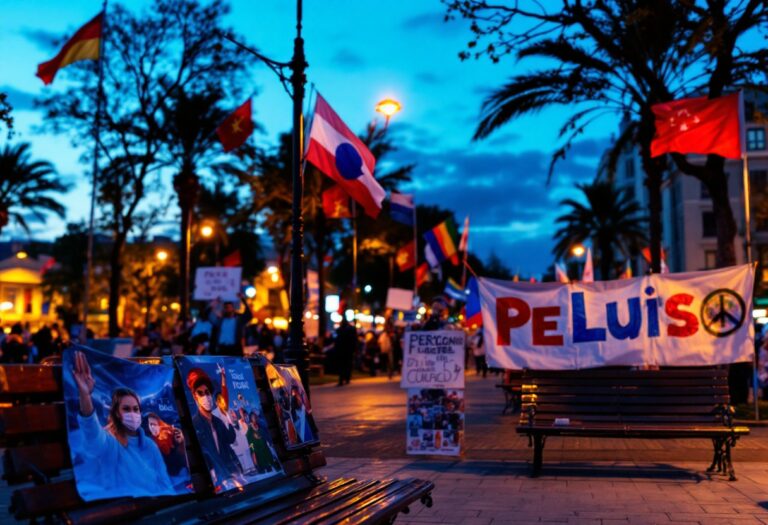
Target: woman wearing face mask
<point>122,458</point>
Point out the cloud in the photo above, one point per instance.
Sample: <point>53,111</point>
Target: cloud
<point>429,78</point>
<point>512,209</point>
<point>20,100</point>
<point>346,58</point>
<point>434,22</point>
<point>41,38</point>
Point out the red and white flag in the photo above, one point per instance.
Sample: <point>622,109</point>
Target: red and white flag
<point>588,275</point>
<point>699,125</point>
<point>341,155</point>
<point>560,274</point>
<point>464,242</point>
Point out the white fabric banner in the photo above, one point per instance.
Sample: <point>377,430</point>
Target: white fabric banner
<point>681,319</point>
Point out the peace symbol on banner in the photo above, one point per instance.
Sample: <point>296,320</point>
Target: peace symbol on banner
<point>723,312</point>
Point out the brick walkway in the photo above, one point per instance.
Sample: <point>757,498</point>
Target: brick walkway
<point>596,481</point>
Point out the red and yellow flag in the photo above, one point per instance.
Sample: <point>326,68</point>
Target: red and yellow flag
<point>336,203</point>
<point>84,45</point>
<point>237,127</point>
<point>405,258</point>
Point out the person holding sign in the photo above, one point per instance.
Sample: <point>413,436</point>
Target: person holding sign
<point>228,330</point>
<point>119,455</point>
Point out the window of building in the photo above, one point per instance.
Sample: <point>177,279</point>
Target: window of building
<point>708,228</point>
<point>755,139</point>
<point>710,259</point>
<point>758,181</point>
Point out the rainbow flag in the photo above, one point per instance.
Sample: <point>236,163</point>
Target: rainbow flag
<point>454,290</point>
<point>442,239</point>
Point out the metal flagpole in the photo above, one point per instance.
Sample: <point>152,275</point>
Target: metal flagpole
<point>748,244</point>
<point>354,256</point>
<point>94,176</point>
<point>415,256</point>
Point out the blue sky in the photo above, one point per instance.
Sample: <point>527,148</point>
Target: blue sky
<point>359,53</point>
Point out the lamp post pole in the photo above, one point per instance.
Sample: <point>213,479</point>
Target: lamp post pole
<point>297,352</point>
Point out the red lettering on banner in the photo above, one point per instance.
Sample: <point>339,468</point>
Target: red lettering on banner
<point>672,308</point>
<point>541,326</point>
<point>505,322</point>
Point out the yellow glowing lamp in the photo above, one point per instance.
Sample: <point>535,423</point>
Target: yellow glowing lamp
<point>206,231</point>
<point>578,250</point>
<point>22,255</point>
<point>162,255</point>
<point>388,107</point>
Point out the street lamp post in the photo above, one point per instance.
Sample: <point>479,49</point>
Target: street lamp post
<point>297,353</point>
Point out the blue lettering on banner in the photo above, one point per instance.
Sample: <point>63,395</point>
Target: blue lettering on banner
<point>630,330</point>
<point>582,334</point>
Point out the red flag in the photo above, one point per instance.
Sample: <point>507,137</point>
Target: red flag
<point>336,203</point>
<point>422,274</point>
<point>406,257</point>
<point>698,125</point>
<point>236,128</point>
<point>647,254</point>
<point>84,45</point>
<point>232,260</point>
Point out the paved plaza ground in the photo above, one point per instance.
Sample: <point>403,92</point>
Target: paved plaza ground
<point>584,480</point>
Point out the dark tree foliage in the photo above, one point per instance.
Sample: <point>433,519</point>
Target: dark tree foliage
<point>610,219</point>
<point>151,62</point>
<point>621,57</point>
<point>27,187</point>
<point>5,113</point>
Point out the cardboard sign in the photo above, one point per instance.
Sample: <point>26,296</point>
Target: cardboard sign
<point>433,359</point>
<point>400,299</point>
<point>217,282</point>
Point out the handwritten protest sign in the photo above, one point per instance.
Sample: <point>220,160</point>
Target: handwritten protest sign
<point>217,282</point>
<point>433,359</point>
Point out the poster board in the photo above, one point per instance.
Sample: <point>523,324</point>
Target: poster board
<point>228,420</point>
<point>400,299</point>
<point>217,282</point>
<point>131,443</point>
<point>435,424</point>
<point>294,413</point>
<point>433,359</point>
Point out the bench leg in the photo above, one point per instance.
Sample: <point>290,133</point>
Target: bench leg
<point>728,462</point>
<point>717,456</point>
<point>507,403</point>
<point>538,453</point>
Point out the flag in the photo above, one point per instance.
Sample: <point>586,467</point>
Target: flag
<point>401,208</point>
<point>337,152</point>
<point>647,256</point>
<point>588,275</point>
<point>422,274</point>
<point>698,125</point>
<point>84,45</point>
<point>406,257</point>
<point>627,273</point>
<point>430,256</point>
<point>236,128</point>
<point>664,267</point>
<point>561,275</point>
<point>454,290</point>
<point>442,240</point>
<point>516,278</point>
<point>336,203</point>
<point>464,242</point>
<point>49,263</point>
<point>232,260</point>
<point>473,314</point>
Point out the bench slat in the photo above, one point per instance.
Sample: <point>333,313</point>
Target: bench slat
<point>412,490</point>
<point>32,419</point>
<point>30,379</point>
<point>20,463</point>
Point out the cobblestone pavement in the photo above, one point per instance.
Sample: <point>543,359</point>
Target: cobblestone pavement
<point>595,481</point>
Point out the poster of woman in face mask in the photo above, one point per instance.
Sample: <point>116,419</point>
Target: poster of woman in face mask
<point>107,400</point>
<point>217,388</point>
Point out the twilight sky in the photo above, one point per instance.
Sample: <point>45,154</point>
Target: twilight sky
<point>359,52</point>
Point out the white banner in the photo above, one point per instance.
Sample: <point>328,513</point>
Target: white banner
<point>433,359</point>
<point>217,282</point>
<point>682,319</point>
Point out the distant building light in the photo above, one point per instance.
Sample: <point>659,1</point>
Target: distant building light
<point>22,255</point>
<point>331,303</point>
<point>250,292</point>
<point>759,312</point>
<point>5,306</point>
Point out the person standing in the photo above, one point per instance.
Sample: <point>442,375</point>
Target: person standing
<point>478,352</point>
<point>229,329</point>
<point>346,342</point>
<point>385,351</point>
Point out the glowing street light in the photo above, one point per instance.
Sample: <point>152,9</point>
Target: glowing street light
<point>388,107</point>
<point>22,255</point>
<point>578,250</point>
<point>161,255</point>
<point>206,231</point>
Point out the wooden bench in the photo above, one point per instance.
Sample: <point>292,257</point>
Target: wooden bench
<point>512,386</point>
<point>37,460</point>
<point>622,403</point>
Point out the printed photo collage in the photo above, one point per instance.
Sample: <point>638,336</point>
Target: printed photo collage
<point>435,422</point>
<point>124,428</point>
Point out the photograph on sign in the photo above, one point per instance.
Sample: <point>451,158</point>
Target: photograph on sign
<point>123,428</point>
<point>400,299</point>
<point>229,420</point>
<point>433,359</point>
<point>435,423</point>
<point>217,282</point>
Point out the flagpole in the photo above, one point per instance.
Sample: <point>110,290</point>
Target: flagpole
<point>415,257</point>
<point>748,246</point>
<point>354,256</point>
<point>94,176</point>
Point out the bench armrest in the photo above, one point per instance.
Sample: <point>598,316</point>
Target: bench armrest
<point>726,412</point>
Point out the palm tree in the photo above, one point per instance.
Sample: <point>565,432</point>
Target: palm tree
<point>25,187</point>
<point>611,219</point>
